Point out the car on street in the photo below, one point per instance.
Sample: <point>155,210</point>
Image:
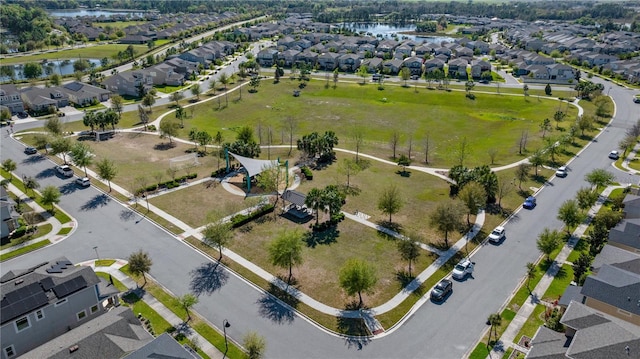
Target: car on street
<point>30,150</point>
<point>561,172</point>
<point>83,182</point>
<point>462,269</point>
<point>497,234</point>
<point>441,290</point>
<point>64,171</point>
<point>614,155</point>
<point>529,203</point>
<point>636,98</point>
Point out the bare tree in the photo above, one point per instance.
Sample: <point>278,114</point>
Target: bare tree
<point>410,145</point>
<point>492,152</point>
<point>427,147</point>
<point>291,124</point>
<point>393,142</point>
<point>522,142</point>
<point>463,151</point>
<point>358,138</point>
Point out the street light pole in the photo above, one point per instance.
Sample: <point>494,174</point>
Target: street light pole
<point>225,325</point>
<point>96,249</point>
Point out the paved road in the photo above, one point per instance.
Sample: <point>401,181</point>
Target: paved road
<point>435,331</point>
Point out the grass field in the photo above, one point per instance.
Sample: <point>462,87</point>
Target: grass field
<point>489,121</point>
<point>89,52</point>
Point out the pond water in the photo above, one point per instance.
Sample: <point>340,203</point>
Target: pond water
<point>90,12</point>
<point>387,31</point>
<point>61,67</point>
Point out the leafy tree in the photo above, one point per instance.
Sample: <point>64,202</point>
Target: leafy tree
<point>504,188</point>
<point>525,89</point>
<point>148,100</point>
<point>218,139</point>
<point>569,213</point>
<point>581,267</point>
<point>286,250</point>
<point>218,235</point>
<point>9,165</point>
<point>180,115</point>
<point>50,196</point>
<point>363,72</point>
<point>196,91</point>
<point>536,160</point>
<point>531,273</point>
<point>177,96</point>
<point>255,345</point>
<point>405,75</point>
<point>270,180</point>
<point>55,79</point>
<point>336,74</point>
<point>559,117</point>
<point>548,241</point>
<point>54,126</point>
<point>599,178</point>
<point>585,123</point>
<point>254,83</point>
<point>547,90</point>
<point>357,276</point>
<point>404,161</point>
<point>522,173</point>
<point>32,70</point>
<point>187,301</point>
<point>349,167</point>
<point>224,80</point>
<point>447,217</point>
<point>30,183</point>
<point>144,116</point>
<point>81,156</point>
<point>409,251</point>
<point>140,263</point>
<point>318,146</point>
<point>627,144</point>
<point>60,146</point>
<point>107,170</point>
<point>586,198</point>
<point>545,126</point>
<point>551,148</point>
<point>390,201</point>
<point>111,118</point>
<point>597,237</point>
<point>169,129</point>
<point>474,198</point>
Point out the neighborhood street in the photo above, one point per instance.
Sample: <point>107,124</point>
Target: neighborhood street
<point>449,330</point>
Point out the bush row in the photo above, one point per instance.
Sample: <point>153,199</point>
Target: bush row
<point>307,173</point>
<point>168,184</point>
<point>240,219</point>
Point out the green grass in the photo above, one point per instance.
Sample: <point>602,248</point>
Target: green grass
<point>90,52</point>
<point>40,231</point>
<point>560,282</point>
<point>532,324</point>
<point>117,24</point>
<point>169,89</point>
<point>23,250</point>
<point>480,351</point>
<point>64,230</point>
<point>104,262</point>
<point>581,247</point>
<point>121,287</point>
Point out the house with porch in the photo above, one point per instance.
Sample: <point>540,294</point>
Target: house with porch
<point>82,94</point>
<point>38,99</point>
<point>10,98</point>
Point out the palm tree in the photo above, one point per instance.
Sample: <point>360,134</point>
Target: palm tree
<point>494,320</point>
<point>224,79</point>
<point>531,273</point>
<point>314,200</point>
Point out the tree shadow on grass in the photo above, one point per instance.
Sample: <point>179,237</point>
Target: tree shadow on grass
<point>561,274</point>
<point>133,296</point>
<point>208,278</point>
<point>355,328</point>
<point>405,280</point>
<point>277,305</point>
<point>326,237</point>
<point>164,146</point>
<point>396,227</point>
<point>100,200</point>
<point>404,173</point>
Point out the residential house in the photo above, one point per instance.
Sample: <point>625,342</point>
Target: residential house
<point>482,46</point>
<point>349,62</point>
<point>392,67</point>
<point>561,72</point>
<point>41,99</point>
<point>308,57</point>
<point>10,98</point>
<point>288,57</point>
<point>367,48</point>
<point>478,67</point>
<point>616,257</point>
<point>404,49</point>
<point>165,74</point>
<point>461,51</point>
<point>135,39</point>
<point>267,57</point>
<point>373,64</point>
<point>46,301</point>
<point>83,94</point>
<point>183,67</point>
<point>631,205</point>
<point>128,83</point>
<point>424,49</point>
<point>414,64</point>
<point>442,51</point>
<point>589,334</point>
<point>8,214</point>
<point>537,72</point>
<point>625,235</point>
<point>328,60</point>
<point>164,346</point>
<point>433,64</point>
<point>458,68</point>
<point>387,46</point>
<point>199,55</point>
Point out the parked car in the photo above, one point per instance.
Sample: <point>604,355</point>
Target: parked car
<point>561,172</point>
<point>614,155</point>
<point>636,98</point>
<point>462,269</point>
<point>30,150</point>
<point>64,170</point>
<point>497,234</point>
<point>83,182</point>
<point>529,203</point>
<point>441,290</point>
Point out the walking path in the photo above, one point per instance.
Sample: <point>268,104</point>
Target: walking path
<point>508,337</point>
<point>161,309</point>
<point>630,157</point>
<point>52,236</point>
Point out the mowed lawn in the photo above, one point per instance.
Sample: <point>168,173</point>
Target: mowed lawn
<point>89,52</point>
<point>420,193</point>
<point>325,255</point>
<point>489,121</point>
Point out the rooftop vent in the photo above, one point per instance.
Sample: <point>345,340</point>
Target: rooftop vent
<point>19,281</point>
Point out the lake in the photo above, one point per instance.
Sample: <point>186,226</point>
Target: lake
<point>386,30</point>
<point>91,12</point>
<point>60,67</point>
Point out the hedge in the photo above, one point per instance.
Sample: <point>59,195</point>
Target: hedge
<point>240,219</point>
<point>307,173</point>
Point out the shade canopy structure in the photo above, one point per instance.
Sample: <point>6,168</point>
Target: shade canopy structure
<point>254,166</point>
<point>294,197</point>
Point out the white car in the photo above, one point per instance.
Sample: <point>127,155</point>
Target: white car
<point>497,235</point>
<point>462,269</point>
<point>614,155</point>
<point>64,170</point>
<point>83,182</point>
<point>561,172</point>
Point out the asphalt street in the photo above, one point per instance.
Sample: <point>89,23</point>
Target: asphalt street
<point>435,331</point>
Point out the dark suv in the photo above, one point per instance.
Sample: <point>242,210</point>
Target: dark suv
<point>441,290</point>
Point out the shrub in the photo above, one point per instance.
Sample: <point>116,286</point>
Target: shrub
<point>19,232</point>
<point>307,173</point>
<point>172,184</point>
<point>192,175</point>
<point>152,188</point>
<point>219,173</point>
<point>151,128</point>
<point>240,219</point>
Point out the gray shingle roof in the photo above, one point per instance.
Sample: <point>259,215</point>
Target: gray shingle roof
<point>548,344</point>
<point>163,346</point>
<point>614,256</point>
<point>616,287</point>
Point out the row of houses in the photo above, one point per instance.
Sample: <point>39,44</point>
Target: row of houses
<point>36,99</point>
<point>58,310</point>
<point>602,317</point>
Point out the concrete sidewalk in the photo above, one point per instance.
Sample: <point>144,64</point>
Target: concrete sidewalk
<point>508,338</point>
<point>161,309</point>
